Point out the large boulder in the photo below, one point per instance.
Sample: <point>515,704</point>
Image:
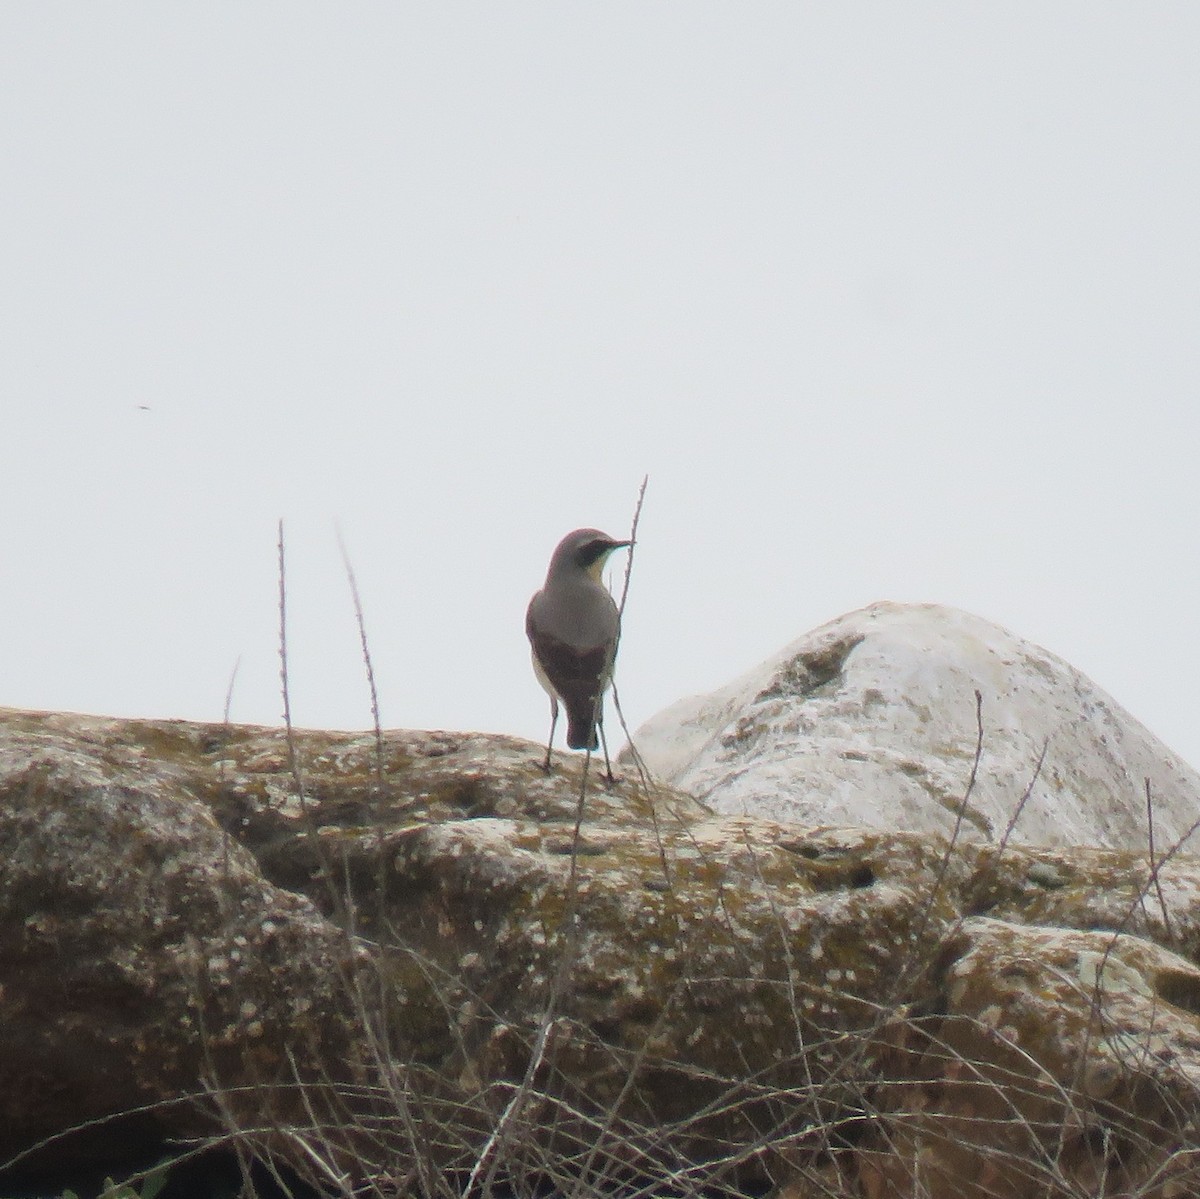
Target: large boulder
<point>873,720</point>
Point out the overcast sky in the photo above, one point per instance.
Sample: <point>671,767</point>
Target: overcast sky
<point>889,301</point>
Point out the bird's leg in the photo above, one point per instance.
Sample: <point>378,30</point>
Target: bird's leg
<point>608,774</point>
<point>550,739</point>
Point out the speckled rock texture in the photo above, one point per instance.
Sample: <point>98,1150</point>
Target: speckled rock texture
<point>872,720</point>
<point>424,960</point>
<point>1056,1068</point>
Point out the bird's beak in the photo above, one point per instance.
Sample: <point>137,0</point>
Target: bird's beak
<point>616,545</point>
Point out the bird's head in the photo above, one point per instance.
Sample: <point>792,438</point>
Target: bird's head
<point>586,550</point>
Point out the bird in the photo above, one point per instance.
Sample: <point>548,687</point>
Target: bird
<point>572,625</point>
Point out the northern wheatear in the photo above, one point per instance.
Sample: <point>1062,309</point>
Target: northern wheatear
<point>572,624</point>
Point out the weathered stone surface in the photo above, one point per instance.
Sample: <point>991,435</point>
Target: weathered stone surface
<point>720,1000</point>
<point>871,720</point>
<point>141,948</point>
<point>1055,1068</point>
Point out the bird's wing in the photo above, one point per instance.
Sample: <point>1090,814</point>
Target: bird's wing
<point>578,678</point>
<point>578,675</point>
<point>571,671</point>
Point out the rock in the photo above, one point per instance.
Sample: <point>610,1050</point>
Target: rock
<point>429,966</point>
<point>141,949</point>
<point>1052,1070</point>
<point>871,720</point>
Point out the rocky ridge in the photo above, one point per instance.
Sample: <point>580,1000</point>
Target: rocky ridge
<point>421,964</point>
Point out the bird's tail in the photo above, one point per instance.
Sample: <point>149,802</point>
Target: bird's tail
<point>581,728</point>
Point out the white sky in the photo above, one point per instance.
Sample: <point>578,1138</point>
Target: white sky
<point>890,301</point>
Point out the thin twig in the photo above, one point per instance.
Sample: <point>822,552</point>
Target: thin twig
<point>637,516</point>
<point>221,763</point>
<point>638,762</point>
<point>643,773</point>
<point>229,695</point>
<point>903,978</point>
<point>1010,828</point>
<point>376,724</point>
<point>293,751</point>
<point>492,1154</point>
<point>1119,931</point>
<point>343,905</point>
<point>1154,871</point>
